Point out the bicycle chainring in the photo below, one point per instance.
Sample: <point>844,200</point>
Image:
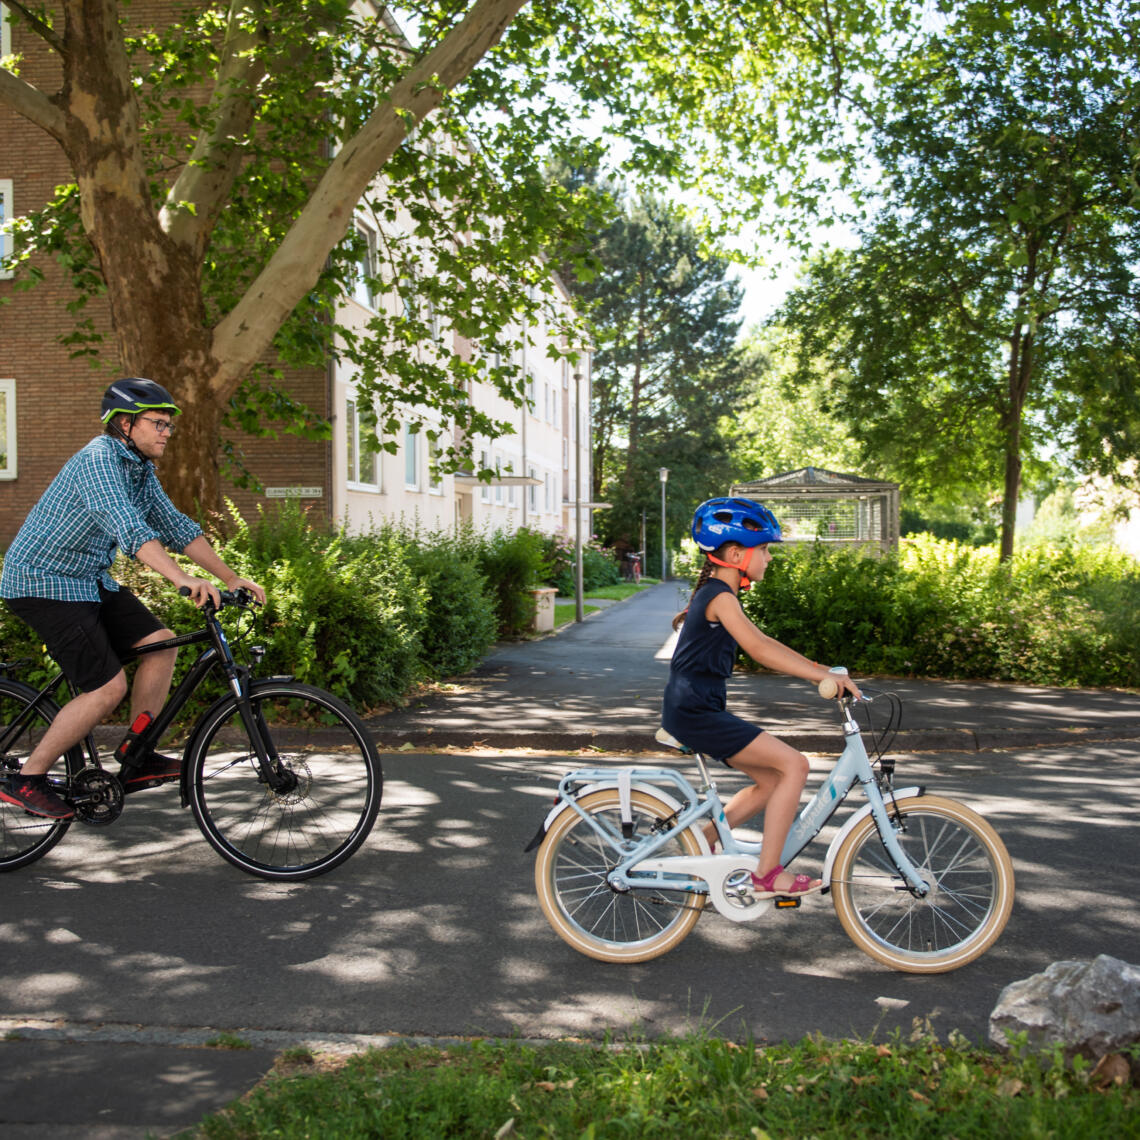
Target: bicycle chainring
<point>97,797</point>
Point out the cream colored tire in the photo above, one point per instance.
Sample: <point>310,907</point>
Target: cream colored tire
<point>971,878</point>
<point>575,895</point>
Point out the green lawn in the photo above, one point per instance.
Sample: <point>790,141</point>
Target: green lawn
<point>698,1088</point>
<point>565,613</point>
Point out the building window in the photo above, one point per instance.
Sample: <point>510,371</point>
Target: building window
<point>6,215</point>
<point>412,457</point>
<point>362,470</point>
<point>484,488</point>
<point>435,480</point>
<point>531,496</point>
<point>7,429</point>
<point>366,267</point>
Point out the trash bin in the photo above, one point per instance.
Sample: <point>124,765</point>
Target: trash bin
<point>544,609</point>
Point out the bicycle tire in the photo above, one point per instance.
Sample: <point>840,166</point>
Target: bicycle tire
<point>310,828</point>
<point>574,894</point>
<point>24,837</point>
<point>972,887</point>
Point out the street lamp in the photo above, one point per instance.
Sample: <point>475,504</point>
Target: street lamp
<point>663,474</point>
<point>579,609</point>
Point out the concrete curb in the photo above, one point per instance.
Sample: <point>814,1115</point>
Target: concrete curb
<point>623,741</point>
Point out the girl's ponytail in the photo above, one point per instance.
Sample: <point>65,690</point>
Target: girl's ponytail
<point>702,578</point>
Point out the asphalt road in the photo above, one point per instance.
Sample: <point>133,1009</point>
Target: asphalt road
<point>433,928</point>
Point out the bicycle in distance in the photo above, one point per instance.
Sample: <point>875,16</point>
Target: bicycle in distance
<point>920,882</point>
<point>282,778</point>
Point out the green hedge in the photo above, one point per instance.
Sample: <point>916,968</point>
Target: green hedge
<point>1054,615</point>
<point>365,616</point>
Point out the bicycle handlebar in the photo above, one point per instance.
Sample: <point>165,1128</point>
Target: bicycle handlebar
<point>241,598</point>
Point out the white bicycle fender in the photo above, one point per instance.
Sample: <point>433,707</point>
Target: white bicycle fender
<point>851,824</point>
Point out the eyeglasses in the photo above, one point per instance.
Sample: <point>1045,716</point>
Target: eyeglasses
<point>163,427</point>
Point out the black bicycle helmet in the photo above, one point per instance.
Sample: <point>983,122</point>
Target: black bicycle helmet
<point>135,394</point>
<point>745,521</point>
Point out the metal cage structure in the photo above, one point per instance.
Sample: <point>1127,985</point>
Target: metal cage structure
<point>816,505</point>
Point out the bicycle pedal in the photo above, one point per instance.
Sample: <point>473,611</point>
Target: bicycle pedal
<point>787,902</point>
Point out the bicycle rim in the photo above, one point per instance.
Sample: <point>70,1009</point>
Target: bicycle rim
<point>970,875</point>
<point>334,783</point>
<point>575,895</point>
<point>24,838</point>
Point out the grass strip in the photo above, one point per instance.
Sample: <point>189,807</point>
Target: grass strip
<point>696,1088</point>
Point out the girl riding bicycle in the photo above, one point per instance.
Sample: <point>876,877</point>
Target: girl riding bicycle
<point>735,535</point>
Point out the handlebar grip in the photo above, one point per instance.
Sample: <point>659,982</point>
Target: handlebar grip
<point>239,597</point>
<point>828,686</point>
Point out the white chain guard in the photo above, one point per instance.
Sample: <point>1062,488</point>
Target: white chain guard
<point>727,876</point>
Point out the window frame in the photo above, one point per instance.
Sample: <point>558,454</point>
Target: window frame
<point>412,456</point>
<point>7,213</point>
<point>353,451</point>
<point>363,293</point>
<point>10,469</point>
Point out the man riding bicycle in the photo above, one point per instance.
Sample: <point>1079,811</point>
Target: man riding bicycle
<point>107,497</point>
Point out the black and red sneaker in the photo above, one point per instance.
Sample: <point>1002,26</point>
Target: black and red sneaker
<point>154,770</point>
<point>34,794</point>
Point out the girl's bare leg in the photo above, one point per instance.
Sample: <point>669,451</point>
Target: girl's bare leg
<point>778,772</point>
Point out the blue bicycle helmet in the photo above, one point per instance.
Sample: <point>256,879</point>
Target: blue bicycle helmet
<point>734,520</point>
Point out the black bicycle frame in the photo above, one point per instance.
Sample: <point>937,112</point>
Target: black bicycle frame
<point>218,653</point>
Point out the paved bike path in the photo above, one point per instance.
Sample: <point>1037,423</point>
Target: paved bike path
<point>598,683</point>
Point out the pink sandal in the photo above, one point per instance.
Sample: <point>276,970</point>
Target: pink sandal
<point>801,885</point>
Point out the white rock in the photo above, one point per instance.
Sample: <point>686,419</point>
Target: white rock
<point>1090,1008</point>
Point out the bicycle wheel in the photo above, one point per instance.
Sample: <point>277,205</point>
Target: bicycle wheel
<point>570,877</point>
<point>24,838</point>
<point>970,876</point>
<point>334,784</point>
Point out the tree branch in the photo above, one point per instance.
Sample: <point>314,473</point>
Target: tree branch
<point>39,26</point>
<point>32,104</point>
<point>244,335</point>
<point>204,183</point>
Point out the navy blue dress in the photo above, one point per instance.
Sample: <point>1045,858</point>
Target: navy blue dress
<point>694,708</point>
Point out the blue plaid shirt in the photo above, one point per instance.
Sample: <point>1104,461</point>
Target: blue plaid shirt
<point>106,497</point>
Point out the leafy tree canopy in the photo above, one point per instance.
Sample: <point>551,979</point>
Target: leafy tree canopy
<point>219,161</point>
<point>666,366</point>
<point>989,315</point>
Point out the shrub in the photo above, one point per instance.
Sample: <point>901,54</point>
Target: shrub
<point>513,564</point>
<point>599,565</point>
<point>460,616</point>
<point>342,612</point>
<point>1055,615</point>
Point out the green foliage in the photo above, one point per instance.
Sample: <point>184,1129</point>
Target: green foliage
<point>700,1087</point>
<point>514,565</point>
<point>786,419</point>
<point>460,615</point>
<point>666,366</point>
<point>599,565</point>
<point>1055,615</point>
<point>988,320</point>
<point>365,616</point>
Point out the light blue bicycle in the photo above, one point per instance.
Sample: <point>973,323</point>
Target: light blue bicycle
<point>921,883</point>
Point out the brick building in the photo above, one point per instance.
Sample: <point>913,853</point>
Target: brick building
<point>49,402</point>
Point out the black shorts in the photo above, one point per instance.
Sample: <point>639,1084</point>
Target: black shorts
<point>88,639</point>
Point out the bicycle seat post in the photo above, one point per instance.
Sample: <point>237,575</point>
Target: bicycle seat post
<point>706,778</point>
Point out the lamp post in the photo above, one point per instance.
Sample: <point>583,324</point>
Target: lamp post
<point>579,611</point>
<point>663,474</point>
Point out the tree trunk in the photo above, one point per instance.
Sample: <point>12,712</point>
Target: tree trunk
<point>1020,370</point>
